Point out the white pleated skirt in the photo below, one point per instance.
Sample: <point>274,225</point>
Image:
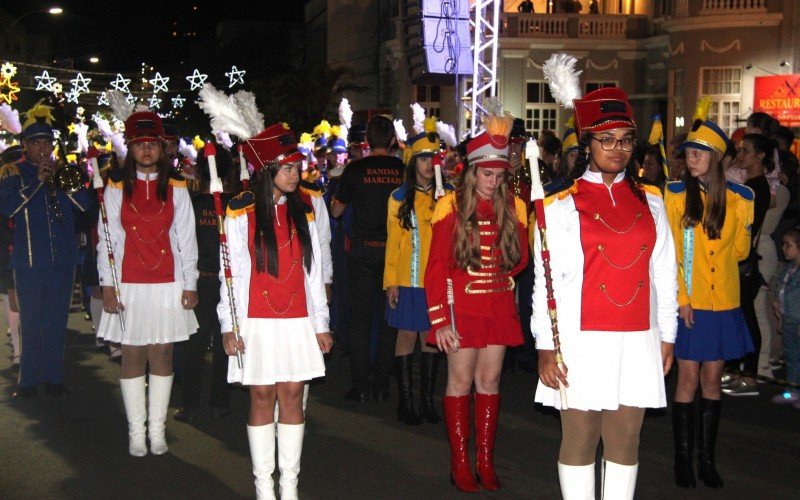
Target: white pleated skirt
<point>153,315</point>
<point>608,369</point>
<point>277,350</point>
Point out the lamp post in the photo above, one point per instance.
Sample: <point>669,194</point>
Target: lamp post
<point>53,11</point>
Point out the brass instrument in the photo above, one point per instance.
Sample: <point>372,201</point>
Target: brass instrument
<point>68,179</point>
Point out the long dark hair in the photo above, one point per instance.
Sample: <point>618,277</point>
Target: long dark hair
<point>162,168</point>
<point>407,205</point>
<point>582,163</point>
<point>762,144</point>
<point>265,242</point>
<point>713,216</point>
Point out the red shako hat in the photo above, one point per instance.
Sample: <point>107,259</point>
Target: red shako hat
<point>275,144</point>
<point>144,126</point>
<point>603,109</point>
<point>488,151</point>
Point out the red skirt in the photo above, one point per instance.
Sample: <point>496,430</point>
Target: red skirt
<point>480,331</point>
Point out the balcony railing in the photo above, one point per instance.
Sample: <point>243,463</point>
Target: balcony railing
<point>714,7</point>
<point>573,26</point>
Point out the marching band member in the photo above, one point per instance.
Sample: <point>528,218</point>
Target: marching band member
<point>614,273</point>
<point>276,264</point>
<point>151,226</point>
<point>478,245</point>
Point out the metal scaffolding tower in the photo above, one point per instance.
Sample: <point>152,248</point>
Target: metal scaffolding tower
<point>485,23</point>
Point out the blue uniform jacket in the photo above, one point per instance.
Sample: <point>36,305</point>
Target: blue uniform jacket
<point>40,240</point>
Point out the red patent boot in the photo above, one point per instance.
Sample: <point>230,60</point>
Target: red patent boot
<point>456,418</point>
<point>487,407</point>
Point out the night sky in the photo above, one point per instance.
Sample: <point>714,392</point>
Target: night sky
<point>123,34</point>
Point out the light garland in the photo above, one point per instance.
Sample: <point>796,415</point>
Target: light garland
<point>121,84</point>
<point>196,79</point>
<point>235,76</point>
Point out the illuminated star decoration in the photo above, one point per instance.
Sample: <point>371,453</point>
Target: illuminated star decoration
<point>102,99</point>
<point>80,85</point>
<point>45,82</point>
<point>235,76</point>
<point>71,128</point>
<point>177,102</point>
<point>8,70</point>
<point>197,80</point>
<point>159,83</point>
<point>8,89</point>
<point>58,88</point>
<point>130,99</point>
<point>121,83</point>
<point>154,102</point>
<point>80,111</point>
<point>72,96</point>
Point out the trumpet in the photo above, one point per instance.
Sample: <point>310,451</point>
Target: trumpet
<point>68,179</point>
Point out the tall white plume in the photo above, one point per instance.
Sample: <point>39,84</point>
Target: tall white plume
<point>345,118</point>
<point>121,108</point>
<point>235,114</point>
<point>400,130</point>
<point>447,133</point>
<point>187,150</point>
<point>9,119</point>
<point>115,138</point>
<point>223,138</point>
<point>559,72</point>
<point>418,114</point>
<point>82,131</point>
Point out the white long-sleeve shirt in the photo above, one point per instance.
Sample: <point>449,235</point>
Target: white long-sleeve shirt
<point>323,223</point>
<point>182,237</point>
<point>236,229</point>
<point>567,261</point>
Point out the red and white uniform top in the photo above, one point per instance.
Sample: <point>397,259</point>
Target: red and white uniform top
<point>153,241</point>
<point>612,262</point>
<point>294,293</point>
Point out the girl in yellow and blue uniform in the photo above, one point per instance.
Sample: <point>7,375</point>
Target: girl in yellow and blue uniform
<point>409,229</point>
<point>710,221</point>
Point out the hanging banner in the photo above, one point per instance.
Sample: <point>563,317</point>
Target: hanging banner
<point>779,97</point>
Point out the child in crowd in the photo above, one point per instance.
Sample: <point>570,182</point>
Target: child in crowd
<point>787,308</point>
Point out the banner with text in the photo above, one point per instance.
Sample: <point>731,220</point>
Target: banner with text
<point>779,97</point>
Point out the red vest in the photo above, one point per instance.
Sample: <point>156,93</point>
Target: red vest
<point>284,296</point>
<point>146,221</point>
<point>617,237</point>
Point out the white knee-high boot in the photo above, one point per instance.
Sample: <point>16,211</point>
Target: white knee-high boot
<point>619,481</point>
<point>133,390</point>
<point>290,449</point>
<point>577,481</point>
<point>262,453</point>
<point>160,389</point>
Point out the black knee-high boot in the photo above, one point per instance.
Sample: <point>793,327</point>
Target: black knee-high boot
<point>427,384</point>
<point>405,400</point>
<point>709,424</point>
<point>683,432</point>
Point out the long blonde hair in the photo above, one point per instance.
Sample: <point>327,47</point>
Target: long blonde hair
<point>466,245</point>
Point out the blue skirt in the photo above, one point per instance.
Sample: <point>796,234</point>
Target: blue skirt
<point>715,335</point>
<point>411,312</point>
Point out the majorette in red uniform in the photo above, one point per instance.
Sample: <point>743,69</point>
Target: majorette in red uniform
<point>152,233</point>
<point>481,319</point>
<point>281,308</point>
<point>613,273</point>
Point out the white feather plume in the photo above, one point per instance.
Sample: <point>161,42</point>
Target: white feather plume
<point>82,130</point>
<point>120,106</point>
<point>418,115</point>
<point>225,112</point>
<point>115,138</point>
<point>223,138</point>
<point>559,72</point>
<point>187,150</point>
<point>246,102</point>
<point>9,119</point>
<point>400,130</point>
<point>345,118</point>
<point>447,133</point>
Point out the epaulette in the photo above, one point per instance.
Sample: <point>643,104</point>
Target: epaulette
<point>310,215</point>
<point>444,207</point>
<point>742,190</point>
<point>310,189</point>
<point>115,176</point>
<point>8,170</point>
<point>522,211</point>
<point>676,187</point>
<point>308,204</point>
<point>399,194</point>
<point>181,183</point>
<point>649,188</point>
<point>241,204</point>
<point>568,188</point>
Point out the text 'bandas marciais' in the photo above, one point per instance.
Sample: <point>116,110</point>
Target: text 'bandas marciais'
<point>380,176</point>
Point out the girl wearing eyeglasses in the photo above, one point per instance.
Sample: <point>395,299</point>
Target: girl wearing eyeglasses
<point>711,223</point>
<point>613,274</point>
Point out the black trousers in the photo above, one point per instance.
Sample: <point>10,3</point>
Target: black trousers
<point>367,299</point>
<point>193,351</point>
<point>748,291</point>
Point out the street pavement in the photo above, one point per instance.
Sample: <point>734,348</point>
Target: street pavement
<point>75,446</point>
